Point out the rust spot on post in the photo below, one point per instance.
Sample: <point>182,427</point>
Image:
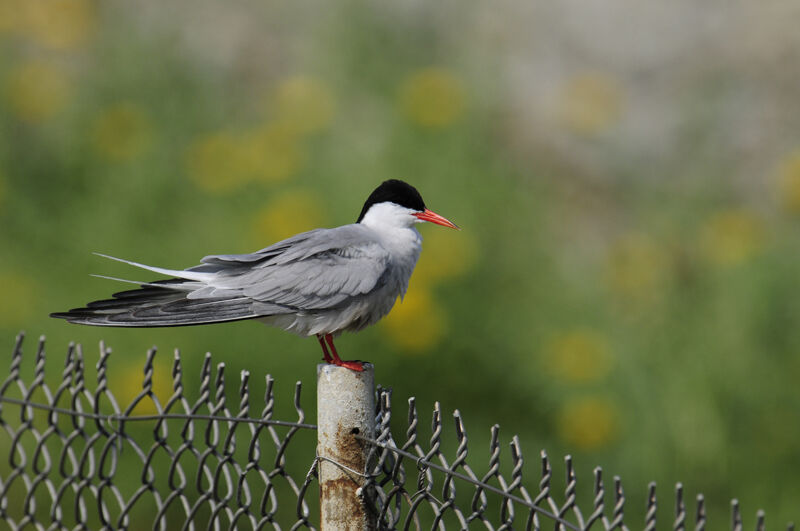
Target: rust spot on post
<point>345,407</point>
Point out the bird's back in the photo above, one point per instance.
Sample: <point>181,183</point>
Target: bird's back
<point>321,281</point>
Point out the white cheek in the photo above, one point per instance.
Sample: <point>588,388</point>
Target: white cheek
<point>389,215</point>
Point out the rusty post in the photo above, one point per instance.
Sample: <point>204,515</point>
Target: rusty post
<point>345,407</point>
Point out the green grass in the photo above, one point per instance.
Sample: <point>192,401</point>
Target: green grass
<point>688,283</point>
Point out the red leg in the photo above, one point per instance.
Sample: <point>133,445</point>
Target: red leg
<point>327,357</point>
<point>352,365</point>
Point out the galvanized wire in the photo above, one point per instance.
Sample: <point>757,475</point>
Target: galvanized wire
<point>203,464</point>
<point>78,460</point>
<point>399,500</point>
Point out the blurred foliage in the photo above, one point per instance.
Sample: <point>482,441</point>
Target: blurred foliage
<point>625,286</point>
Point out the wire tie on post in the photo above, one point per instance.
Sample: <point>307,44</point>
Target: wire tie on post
<point>313,470</point>
<point>345,468</point>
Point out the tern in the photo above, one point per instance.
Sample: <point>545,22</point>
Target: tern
<point>317,283</point>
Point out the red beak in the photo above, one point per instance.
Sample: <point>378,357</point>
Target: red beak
<point>433,217</point>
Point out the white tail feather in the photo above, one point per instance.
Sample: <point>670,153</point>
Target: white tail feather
<point>180,273</point>
<point>182,287</point>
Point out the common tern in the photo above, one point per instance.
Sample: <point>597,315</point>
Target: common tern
<point>317,283</point>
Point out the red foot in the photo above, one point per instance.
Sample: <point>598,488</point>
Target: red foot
<point>352,365</point>
<point>336,360</point>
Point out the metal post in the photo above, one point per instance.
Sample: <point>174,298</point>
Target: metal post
<point>345,407</point>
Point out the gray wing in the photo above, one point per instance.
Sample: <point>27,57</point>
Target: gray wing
<point>315,270</point>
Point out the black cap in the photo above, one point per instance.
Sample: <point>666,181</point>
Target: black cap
<point>394,191</point>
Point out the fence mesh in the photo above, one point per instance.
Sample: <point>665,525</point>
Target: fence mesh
<point>79,460</point>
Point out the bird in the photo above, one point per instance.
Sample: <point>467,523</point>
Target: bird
<point>316,283</point>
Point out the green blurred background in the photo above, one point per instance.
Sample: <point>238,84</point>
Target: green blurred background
<point>627,177</point>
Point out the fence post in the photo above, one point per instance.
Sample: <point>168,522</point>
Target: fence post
<point>345,407</point>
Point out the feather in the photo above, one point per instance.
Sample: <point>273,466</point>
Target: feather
<point>325,279</point>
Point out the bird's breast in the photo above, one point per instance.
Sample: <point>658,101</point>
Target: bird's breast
<point>404,250</point>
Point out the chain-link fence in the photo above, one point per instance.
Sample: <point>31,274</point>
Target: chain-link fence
<point>79,460</point>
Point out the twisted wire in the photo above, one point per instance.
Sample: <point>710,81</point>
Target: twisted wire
<point>209,464</point>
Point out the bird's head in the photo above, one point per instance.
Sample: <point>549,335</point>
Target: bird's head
<point>397,203</point>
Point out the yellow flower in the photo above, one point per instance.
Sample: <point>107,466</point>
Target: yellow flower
<point>122,131</point>
<point>789,181</point>
<point>588,423</point>
<point>446,255</point>
<point>732,236</point>
<point>270,153</point>
<point>223,161</point>
<point>213,162</point>
<point>416,323</point>
<point>36,90</point>
<point>293,212</point>
<point>58,24</point>
<point>637,267</point>
<point>578,356</point>
<point>304,104</point>
<point>590,103</point>
<point>19,295</point>
<point>432,97</point>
